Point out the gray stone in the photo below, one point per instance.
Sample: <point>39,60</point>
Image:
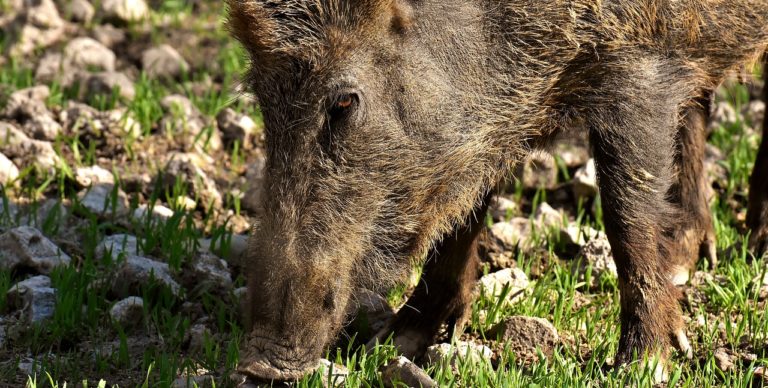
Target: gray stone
<point>110,83</point>
<point>184,124</point>
<point>34,297</point>
<point>17,145</point>
<point>524,335</point>
<point>126,11</point>
<point>93,175</point>
<point>118,244</point>
<point>595,253</point>
<point>723,360</point>
<point>108,35</point>
<point>182,167</point>
<point>254,189</point>
<point>79,11</point>
<point>402,371</point>
<point>585,181</point>
<point>8,170</point>
<point>137,271</point>
<point>196,337</point>
<point>99,199</point>
<point>163,62</point>
<point>48,68</point>
<point>27,247</point>
<point>235,127</point>
<point>87,54</point>
<point>128,312</point>
<point>199,381</point>
<point>43,127</point>
<point>208,271</point>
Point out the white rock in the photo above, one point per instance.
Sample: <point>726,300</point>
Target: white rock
<point>235,127</point>
<point>27,247</point>
<point>87,54</point>
<point>25,104</point>
<point>157,212</point>
<point>8,170</point>
<point>585,181</point>
<point>163,62</point>
<point>513,279</point>
<point>503,208</point>
<point>546,216</point>
<point>43,127</point>
<point>93,175</point>
<point>446,353</point>
<point>125,10</point>
<point>512,233</point>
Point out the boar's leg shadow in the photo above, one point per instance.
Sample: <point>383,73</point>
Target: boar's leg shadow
<point>695,234</point>
<point>632,115</point>
<point>445,292</point>
<point>757,213</point>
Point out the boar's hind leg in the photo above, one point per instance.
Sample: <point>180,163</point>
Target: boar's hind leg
<point>757,214</point>
<point>632,121</point>
<point>444,293</point>
<point>695,233</point>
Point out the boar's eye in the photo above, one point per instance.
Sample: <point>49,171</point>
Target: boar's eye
<point>343,104</point>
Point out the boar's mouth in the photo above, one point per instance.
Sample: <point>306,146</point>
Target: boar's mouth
<point>267,359</point>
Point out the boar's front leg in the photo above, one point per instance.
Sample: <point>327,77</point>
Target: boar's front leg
<point>632,118</point>
<point>445,292</point>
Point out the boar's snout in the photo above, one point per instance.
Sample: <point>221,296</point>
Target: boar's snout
<point>268,359</point>
<point>295,309</point>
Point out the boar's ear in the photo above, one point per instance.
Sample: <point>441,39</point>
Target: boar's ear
<point>251,22</point>
<point>402,15</point>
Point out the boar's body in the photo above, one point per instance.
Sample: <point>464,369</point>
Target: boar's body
<point>388,122</point>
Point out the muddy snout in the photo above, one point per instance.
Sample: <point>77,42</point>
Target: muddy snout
<point>264,358</point>
<point>293,318</point>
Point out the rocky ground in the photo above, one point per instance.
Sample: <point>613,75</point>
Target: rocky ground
<point>130,167</point>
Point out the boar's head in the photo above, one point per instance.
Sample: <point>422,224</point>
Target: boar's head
<point>378,143</point>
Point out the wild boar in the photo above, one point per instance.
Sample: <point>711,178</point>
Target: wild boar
<point>389,122</point>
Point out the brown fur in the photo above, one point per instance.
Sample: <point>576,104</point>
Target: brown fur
<point>452,94</point>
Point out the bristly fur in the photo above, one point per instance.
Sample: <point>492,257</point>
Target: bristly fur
<point>452,94</point>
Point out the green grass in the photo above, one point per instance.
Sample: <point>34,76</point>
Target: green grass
<point>70,348</point>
